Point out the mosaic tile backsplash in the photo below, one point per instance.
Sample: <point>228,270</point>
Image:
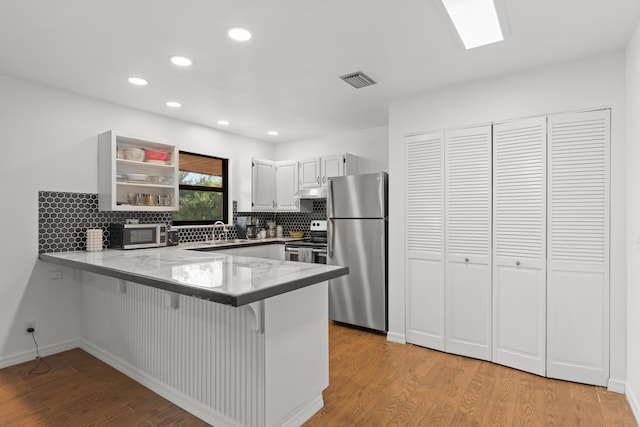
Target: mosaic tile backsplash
<point>64,218</point>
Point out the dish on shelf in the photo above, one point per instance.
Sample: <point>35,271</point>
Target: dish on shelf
<point>157,162</point>
<point>137,177</point>
<point>135,154</point>
<point>150,155</point>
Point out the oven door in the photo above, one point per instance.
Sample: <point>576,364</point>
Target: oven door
<point>293,253</point>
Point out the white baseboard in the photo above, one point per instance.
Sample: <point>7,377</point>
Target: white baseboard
<point>396,337</point>
<point>176,397</point>
<point>47,350</point>
<point>616,386</point>
<point>305,413</point>
<point>632,398</point>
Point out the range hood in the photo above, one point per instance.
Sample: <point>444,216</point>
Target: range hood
<point>312,193</point>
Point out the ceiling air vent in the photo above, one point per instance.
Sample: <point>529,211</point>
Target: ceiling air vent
<point>358,79</point>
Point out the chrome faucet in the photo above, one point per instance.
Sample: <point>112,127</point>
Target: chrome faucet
<point>224,229</point>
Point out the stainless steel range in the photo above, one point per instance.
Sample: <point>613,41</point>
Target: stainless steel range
<point>313,249</point>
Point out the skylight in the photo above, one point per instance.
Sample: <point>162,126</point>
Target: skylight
<point>475,20</point>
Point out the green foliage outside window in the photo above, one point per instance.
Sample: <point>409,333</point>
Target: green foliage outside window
<point>198,199</point>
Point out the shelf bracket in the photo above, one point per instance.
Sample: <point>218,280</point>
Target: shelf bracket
<point>172,300</point>
<point>256,310</point>
<point>122,286</point>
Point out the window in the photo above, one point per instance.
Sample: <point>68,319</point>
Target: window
<point>203,190</point>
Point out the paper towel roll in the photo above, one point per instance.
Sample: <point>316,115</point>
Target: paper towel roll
<point>94,239</point>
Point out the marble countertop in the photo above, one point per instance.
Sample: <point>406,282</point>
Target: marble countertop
<point>226,279</point>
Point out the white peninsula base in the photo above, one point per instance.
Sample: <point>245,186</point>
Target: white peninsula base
<point>264,364</point>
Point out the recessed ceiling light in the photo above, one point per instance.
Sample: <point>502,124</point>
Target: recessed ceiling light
<point>273,132</point>
<point>173,104</point>
<point>223,122</point>
<point>181,61</point>
<point>239,34</point>
<point>475,20</point>
<point>138,81</point>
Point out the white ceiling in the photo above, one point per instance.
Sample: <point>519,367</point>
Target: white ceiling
<point>286,76</point>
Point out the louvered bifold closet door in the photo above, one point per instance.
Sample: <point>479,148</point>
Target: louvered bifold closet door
<point>468,242</point>
<point>425,239</point>
<point>519,244</point>
<point>578,238</point>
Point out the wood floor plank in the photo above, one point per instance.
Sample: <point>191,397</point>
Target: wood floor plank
<point>372,382</point>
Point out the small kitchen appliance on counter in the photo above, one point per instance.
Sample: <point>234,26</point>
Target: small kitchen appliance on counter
<point>137,236</point>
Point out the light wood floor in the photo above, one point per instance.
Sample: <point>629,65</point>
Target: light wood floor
<point>372,383</point>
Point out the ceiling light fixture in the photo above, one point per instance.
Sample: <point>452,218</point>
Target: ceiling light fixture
<point>475,20</point>
<point>181,61</point>
<point>239,34</point>
<point>273,132</point>
<point>173,104</point>
<point>138,81</point>
<point>223,122</point>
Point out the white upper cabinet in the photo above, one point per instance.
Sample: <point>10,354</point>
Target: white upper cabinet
<point>263,194</point>
<point>274,186</point>
<point>316,172</point>
<point>519,244</point>
<point>468,242</point>
<point>286,184</point>
<point>578,241</point>
<point>136,175</point>
<point>425,239</point>
<point>310,173</point>
<point>331,166</point>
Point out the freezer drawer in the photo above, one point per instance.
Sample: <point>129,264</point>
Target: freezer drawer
<point>359,298</point>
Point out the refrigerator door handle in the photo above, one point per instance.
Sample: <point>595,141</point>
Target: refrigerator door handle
<point>330,199</point>
<point>330,239</point>
<point>330,223</point>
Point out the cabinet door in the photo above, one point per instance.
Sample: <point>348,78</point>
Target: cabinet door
<point>578,237</point>
<point>309,173</point>
<point>425,240</point>
<point>468,242</point>
<point>519,245</point>
<point>262,185</point>
<point>286,185</point>
<point>331,166</point>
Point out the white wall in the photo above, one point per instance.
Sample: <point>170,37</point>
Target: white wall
<point>588,83</point>
<point>633,222</point>
<point>49,142</point>
<point>370,145</point>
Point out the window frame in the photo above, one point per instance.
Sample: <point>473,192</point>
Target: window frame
<point>224,190</point>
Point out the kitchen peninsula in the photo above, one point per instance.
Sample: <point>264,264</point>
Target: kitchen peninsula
<point>235,340</point>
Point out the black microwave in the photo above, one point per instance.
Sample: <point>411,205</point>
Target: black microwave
<point>137,236</point>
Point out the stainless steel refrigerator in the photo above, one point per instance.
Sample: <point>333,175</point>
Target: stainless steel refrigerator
<point>357,209</point>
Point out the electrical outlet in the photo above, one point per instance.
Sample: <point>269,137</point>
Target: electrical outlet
<point>29,324</point>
